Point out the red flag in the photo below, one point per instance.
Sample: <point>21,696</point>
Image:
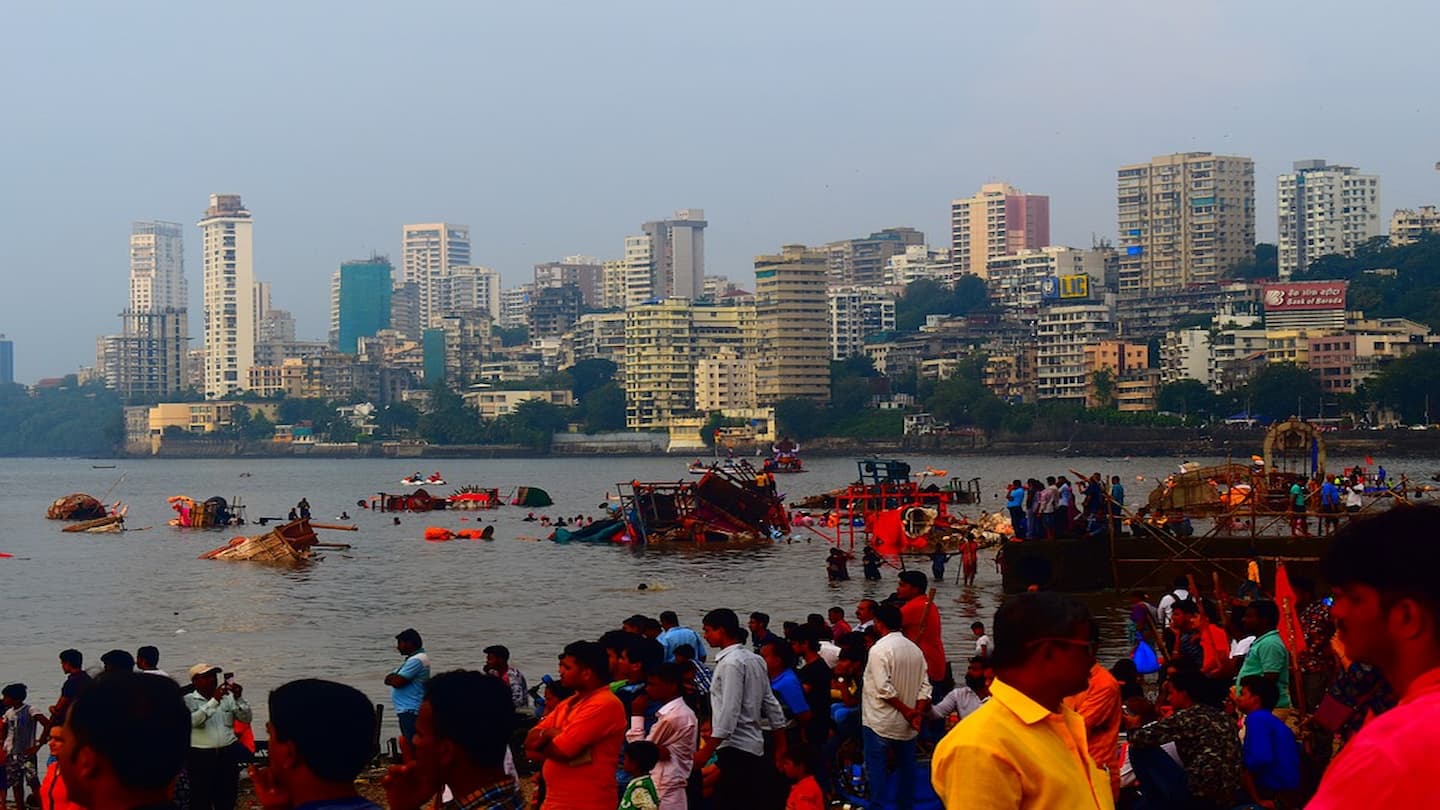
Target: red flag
<point>1369,462</point>
<point>1290,631</point>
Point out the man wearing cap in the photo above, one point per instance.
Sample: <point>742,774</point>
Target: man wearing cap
<point>215,754</point>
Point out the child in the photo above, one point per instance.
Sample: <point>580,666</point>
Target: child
<point>639,759</point>
<point>983,645</point>
<point>1270,753</point>
<point>20,742</point>
<point>798,765</point>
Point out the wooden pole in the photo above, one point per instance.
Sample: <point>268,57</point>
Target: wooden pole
<point>335,526</point>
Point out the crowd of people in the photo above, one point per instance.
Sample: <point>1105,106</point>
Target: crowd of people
<point>1058,507</point>
<point>834,708</point>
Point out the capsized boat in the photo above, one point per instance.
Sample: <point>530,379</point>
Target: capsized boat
<point>472,497</point>
<point>293,543</point>
<point>76,506</point>
<point>608,530</point>
<point>735,504</point>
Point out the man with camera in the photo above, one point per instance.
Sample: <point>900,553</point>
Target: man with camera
<point>215,753</point>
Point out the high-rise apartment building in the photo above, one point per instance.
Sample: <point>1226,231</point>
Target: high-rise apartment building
<point>857,313</point>
<point>666,344</point>
<point>998,221</point>
<point>7,361</point>
<point>405,310</point>
<point>1185,219</point>
<point>639,271</point>
<point>148,358</point>
<point>1022,281</point>
<point>1061,336</point>
<point>228,269</point>
<point>1324,210</point>
<point>862,261</point>
<point>677,255</point>
<point>515,306</point>
<point>157,267</point>
<point>792,318</point>
<point>470,287</point>
<point>430,251</point>
<point>362,301</point>
<point>585,272</point>
<point>613,274</point>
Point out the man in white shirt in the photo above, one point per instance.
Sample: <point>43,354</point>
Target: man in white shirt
<point>741,701</point>
<point>214,762</point>
<point>865,614</point>
<point>675,733</point>
<point>1167,609</point>
<point>147,660</point>
<point>895,702</point>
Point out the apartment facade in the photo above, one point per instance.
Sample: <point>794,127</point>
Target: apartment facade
<point>1023,280</point>
<point>1185,219</point>
<point>229,311</point>
<point>429,253</point>
<point>1407,225</point>
<point>792,326</point>
<point>857,313</point>
<point>583,272</point>
<point>677,255</point>
<point>997,221</point>
<point>361,301</point>
<point>1062,333</point>
<point>861,262</point>
<point>1324,210</point>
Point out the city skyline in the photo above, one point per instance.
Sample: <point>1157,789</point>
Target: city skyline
<point>564,167</point>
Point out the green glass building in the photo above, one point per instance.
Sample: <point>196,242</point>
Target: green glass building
<point>364,301</point>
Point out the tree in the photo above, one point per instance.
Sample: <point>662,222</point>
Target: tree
<point>260,428</point>
<point>925,297</point>
<point>801,419</point>
<point>1187,397</point>
<point>1406,386</point>
<point>1265,263</point>
<point>397,418</point>
<point>604,408</point>
<point>536,421</point>
<point>512,336</point>
<point>1102,383</point>
<point>588,375</point>
<point>1283,389</point>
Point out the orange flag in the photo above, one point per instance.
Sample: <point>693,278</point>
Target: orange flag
<point>1290,631</point>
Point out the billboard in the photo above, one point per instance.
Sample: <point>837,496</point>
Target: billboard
<point>1075,286</point>
<point>1305,295</point>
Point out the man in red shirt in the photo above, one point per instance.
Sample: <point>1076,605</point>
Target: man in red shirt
<point>1387,613</point>
<point>580,740</point>
<point>921,621</point>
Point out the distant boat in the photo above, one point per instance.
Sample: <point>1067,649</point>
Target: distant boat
<point>102,466</point>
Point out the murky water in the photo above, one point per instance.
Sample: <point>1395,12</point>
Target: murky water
<point>337,618</point>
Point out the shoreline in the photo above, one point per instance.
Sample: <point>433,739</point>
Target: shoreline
<point>1092,441</point>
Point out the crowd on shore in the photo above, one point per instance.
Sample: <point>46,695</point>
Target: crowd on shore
<point>1251,702</point>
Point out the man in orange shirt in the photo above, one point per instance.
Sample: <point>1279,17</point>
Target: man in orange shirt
<point>921,624</point>
<point>1100,706</point>
<point>580,739</point>
<point>1387,614</point>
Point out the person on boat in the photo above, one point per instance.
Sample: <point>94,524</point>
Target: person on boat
<point>293,516</point>
<point>1354,498</point>
<point>1329,507</point>
<point>418,476</point>
<point>1117,504</point>
<point>1015,504</point>
<point>1299,523</point>
<point>871,560</point>
<point>837,567</point>
<point>304,507</point>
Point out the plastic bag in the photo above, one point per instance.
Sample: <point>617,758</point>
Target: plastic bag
<point>1145,660</point>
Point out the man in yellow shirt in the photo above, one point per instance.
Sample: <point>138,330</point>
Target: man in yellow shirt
<point>1024,748</point>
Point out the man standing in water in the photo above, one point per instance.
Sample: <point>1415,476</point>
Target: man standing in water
<point>407,683</point>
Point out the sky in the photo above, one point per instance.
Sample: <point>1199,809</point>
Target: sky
<point>554,129</point>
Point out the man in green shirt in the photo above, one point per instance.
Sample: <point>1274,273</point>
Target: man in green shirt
<point>1267,656</point>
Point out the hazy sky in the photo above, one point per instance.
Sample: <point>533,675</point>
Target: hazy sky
<point>554,129</point>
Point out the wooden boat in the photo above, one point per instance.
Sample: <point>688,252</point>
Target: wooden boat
<point>109,523</point>
<point>726,504</point>
<point>76,506</point>
<point>293,543</point>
